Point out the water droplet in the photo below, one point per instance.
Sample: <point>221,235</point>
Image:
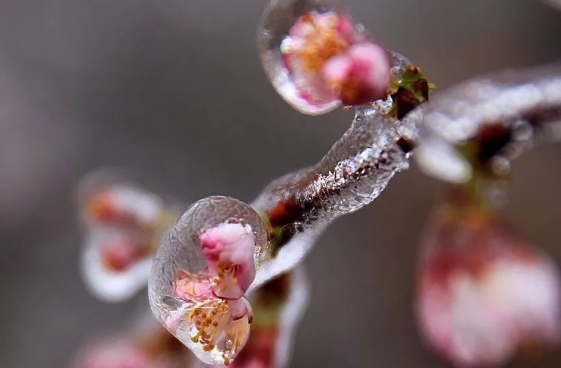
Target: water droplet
<point>201,273</point>
<point>317,58</point>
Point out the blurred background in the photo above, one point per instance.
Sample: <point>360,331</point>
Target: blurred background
<point>173,91</point>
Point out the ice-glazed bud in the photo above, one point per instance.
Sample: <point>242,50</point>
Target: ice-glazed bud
<point>124,223</point>
<point>360,75</point>
<point>200,275</point>
<point>480,125</point>
<point>116,265</point>
<point>483,294</point>
<point>111,199</point>
<point>120,252</point>
<point>317,58</point>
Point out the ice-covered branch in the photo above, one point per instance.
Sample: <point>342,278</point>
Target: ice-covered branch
<point>494,118</point>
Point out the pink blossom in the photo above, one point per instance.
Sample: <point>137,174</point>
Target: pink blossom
<point>240,308</point>
<point>482,293</point>
<point>217,314</point>
<point>120,252</point>
<point>360,75</point>
<point>192,287</point>
<point>229,249</point>
<point>328,60</point>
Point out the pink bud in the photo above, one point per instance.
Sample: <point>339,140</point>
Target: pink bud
<point>360,75</point>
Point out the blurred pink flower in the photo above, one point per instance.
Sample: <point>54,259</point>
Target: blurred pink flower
<point>121,251</point>
<point>116,354</point>
<point>483,293</point>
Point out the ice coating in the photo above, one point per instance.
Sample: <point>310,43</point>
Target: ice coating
<point>108,283</point>
<point>200,275</point>
<point>317,58</point>
<point>525,104</point>
<point>352,174</point>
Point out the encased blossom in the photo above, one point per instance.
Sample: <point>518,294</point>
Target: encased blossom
<point>229,249</point>
<point>124,222</point>
<point>119,252</point>
<point>329,61</point>
<point>278,306</point>
<point>360,75</point>
<point>483,293</point>
<point>217,314</point>
<point>120,205</point>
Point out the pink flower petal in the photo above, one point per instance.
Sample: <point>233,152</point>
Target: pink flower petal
<point>228,288</point>
<point>241,308</point>
<point>230,246</point>
<point>191,287</point>
<point>360,75</point>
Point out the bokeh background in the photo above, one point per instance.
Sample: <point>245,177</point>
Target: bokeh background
<point>173,91</point>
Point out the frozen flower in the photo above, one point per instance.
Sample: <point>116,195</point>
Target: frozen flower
<point>120,252</point>
<point>124,223</point>
<point>229,252</point>
<point>328,60</point>
<point>124,206</point>
<point>483,293</point>
<point>360,75</point>
<point>217,315</point>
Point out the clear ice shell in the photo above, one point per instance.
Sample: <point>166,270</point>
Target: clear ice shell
<point>108,285</point>
<point>181,251</point>
<point>526,101</point>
